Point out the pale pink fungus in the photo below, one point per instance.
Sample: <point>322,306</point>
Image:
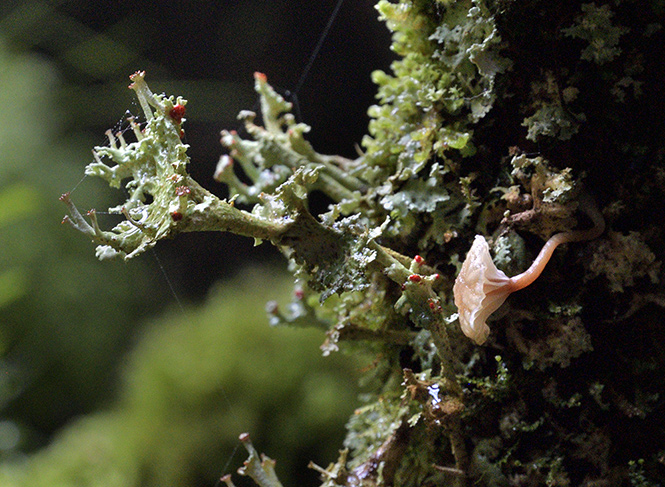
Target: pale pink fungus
<point>480,288</point>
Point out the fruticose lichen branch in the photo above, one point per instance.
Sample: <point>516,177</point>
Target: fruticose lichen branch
<point>163,200</point>
<point>277,149</point>
<point>259,467</point>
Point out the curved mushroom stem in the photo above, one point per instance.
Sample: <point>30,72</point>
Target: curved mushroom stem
<point>522,280</point>
<point>480,288</point>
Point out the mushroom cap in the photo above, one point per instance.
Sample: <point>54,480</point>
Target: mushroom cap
<point>479,290</point>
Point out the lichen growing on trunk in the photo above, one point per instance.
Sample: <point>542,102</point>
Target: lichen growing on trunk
<point>500,118</point>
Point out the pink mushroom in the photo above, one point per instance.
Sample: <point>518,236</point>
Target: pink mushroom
<point>480,288</point>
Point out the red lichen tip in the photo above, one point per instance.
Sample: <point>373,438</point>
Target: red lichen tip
<point>182,191</point>
<point>434,305</point>
<point>415,278</point>
<point>64,196</point>
<point>140,74</point>
<point>176,216</point>
<point>260,77</point>
<point>177,113</point>
<point>132,78</point>
<point>244,437</point>
<point>299,293</point>
<point>418,259</point>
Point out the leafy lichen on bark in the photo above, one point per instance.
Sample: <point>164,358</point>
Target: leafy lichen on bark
<point>475,131</point>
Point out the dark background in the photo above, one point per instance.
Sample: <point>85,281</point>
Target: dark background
<point>207,52</point>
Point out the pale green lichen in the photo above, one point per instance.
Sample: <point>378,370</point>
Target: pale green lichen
<point>543,182</point>
<point>276,150</point>
<point>552,195</point>
<point>470,49</point>
<point>510,253</point>
<point>563,341</point>
<point>595,27</point>
<point>155,165</point>
<point>622,259</point>
<point>437,102</point>
<point>552,115</point>
<point>551,120</point>
<point>376,421</point>
<point>259,467</point>
<point>164,200</point>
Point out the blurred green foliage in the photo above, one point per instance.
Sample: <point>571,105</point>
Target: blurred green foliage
<point>65,318</point>
<point>196,379</point>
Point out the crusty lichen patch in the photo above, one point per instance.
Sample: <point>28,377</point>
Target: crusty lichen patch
<point>623,259</point>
